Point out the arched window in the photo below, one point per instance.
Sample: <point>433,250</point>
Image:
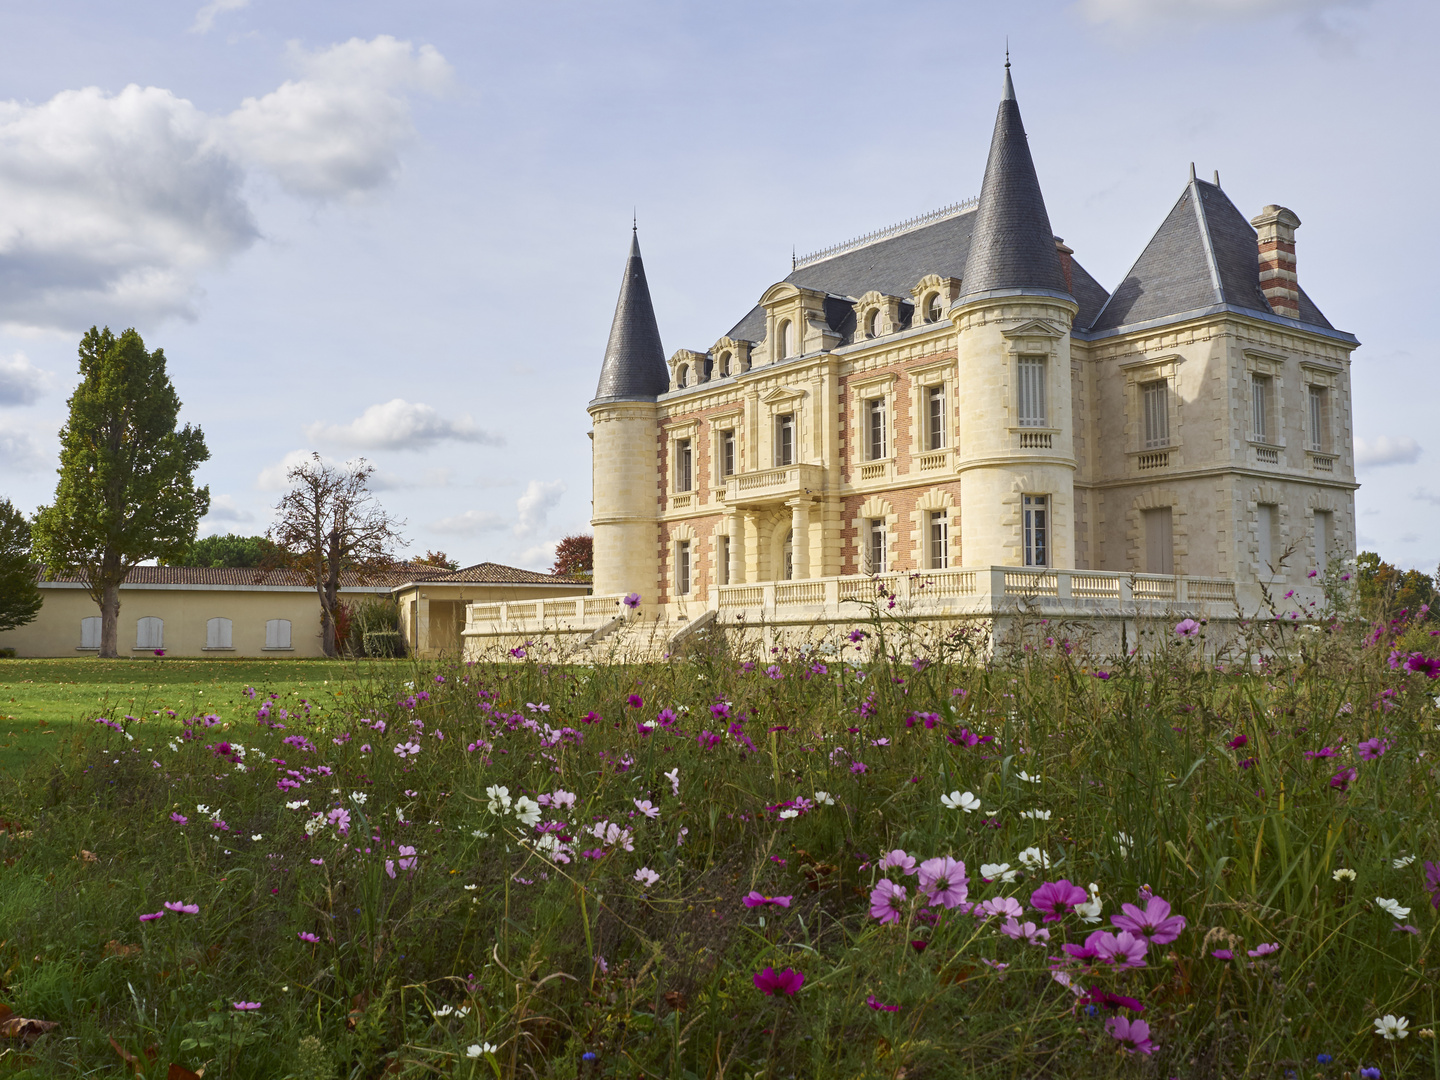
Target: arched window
<point>872,324</point>
<point>90,632</point>
<point>277,634</point>
<point>790,555</point>
<point>785,334</point>
<point>708,369</point>
<point>149,633</point>
<point>932,307</point>
<point>724,365</point>
<point>682,376</point>
<point>217,634</point>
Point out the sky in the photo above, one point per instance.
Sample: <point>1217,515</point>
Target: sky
<point>397,231</point>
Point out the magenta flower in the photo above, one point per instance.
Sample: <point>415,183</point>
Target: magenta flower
<point>1323,752</point>
<point>1187,628</point>
<point>1342,780</point>
<point>307,936</point>
<point>1057,899</point>
<point>1264,950</point>
<point>944,882</point>
<point>885,901</point>
<point>635,701</point>
<point>771,982</point>
<point>1027,931</point>
<point>159,652</point>
<point>1123,949</point>
<point>879,1006</point>
<point>755,899</point>
<point>1430,668</point>
<point>1371,749</point>
<point>1222,954</point>
<point>245,1006</point>
<point>1238,741</point>
<point>632,600</point>
<point>1004,906</point>
<point>1432,882</point>
<point>898,860</point>
<point>1107,1000</point>
<point>340,818</point>
<point>188,909</point>
<point>407,860</point>
<point>152,916</point>
<point>1088,951</point>
<point>1155,922</point>
<point>179,819</point>
<point>1133,1034</point>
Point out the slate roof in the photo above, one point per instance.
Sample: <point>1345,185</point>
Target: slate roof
<point>1013,246</point>
<point>634,365</point>
<point>1204,254</point>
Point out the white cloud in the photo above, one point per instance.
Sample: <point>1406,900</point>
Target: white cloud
<point>19,453</point>
<point>400,425</point>
<point>1139,12</point>
<point>1385,450</point>
<point>540,557</point>
<point>111,205</point>
<point>223,508</point>
<point>272,477</point>
<point>205,17</point>
<point>541,496</point>
<point>21,382</point>
<point>469,523</point>
<point>336,131</point>
<point>384,480</point>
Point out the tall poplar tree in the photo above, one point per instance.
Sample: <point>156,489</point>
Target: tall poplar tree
<point>19,595</point>
<point>127,477</point>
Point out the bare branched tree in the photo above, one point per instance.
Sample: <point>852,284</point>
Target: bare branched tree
<point>330,525</point>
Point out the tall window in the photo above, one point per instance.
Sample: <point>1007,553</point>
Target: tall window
<point>1322,539</point>
<point>1159,541</point>
<point>1032,391</point>
<point>723,556</point>
<point>935,415</point>
<point>682,568</point>
<point>1155,399</point>
<point>217,634</point>
<point>1319,418</point>
<point>149,633</point>
<point>682,377</point>
<point>724,364</point>
<point>1267,536</point>
<point>789,568</point>
<point>939,539</point>
<point>1260,395</point>
<point>875,547</point>
<point>90,632</point>
<point>785,439</point>
<point>1037,529</point>
<point>785,333</point>
<point>727,453</point>
<point>932,307</point>
<point>872,324</point>
<point>684,465</point>
<point>277,634</point>
<point>875,409</point>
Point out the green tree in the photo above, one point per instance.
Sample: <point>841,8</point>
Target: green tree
<point>19,595</point>
<point>1386,590</point>
<point>127,477</point>
<point>230,550</point>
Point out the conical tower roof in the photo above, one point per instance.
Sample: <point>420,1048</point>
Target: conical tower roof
<point>1013,246</point>
<point>634,367</point>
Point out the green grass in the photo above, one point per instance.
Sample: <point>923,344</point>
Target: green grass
<point>43,701</point>
<point>634,955</point>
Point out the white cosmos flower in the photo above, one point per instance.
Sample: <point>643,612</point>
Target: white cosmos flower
<point>1089,911</point>
<point>474,1050</point>
<point>824,798</point>
<point>999,871</point>
<point>1400,864</point>
<point>257,837</point>
<point>674,777</point>
<point>1344,874</point>
<point>1036,815</point>
<point>499,799</point>
<point>297,804</point>
<point>1391,1026</point>
<point>791,813</point>
<point>1392,908</point>
<point>956,801</point>
<point>1124,841</point>
<point>358,797</point>
<point>646,876</point>
<point>527,810</point>
<point>1023,775</point>
<point>1032,858</point>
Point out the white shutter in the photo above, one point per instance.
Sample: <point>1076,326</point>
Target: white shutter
<point>90,632</point>
<point>1159,541</point>
<point>277,634</point>
<point>217,634</point>
<point>1265,529</point>
<point>150,633</point>
<point>1032,391</point>
<point>1157,416</point>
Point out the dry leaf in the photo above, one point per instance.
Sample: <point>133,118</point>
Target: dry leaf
<point>114,948</point>
<point>676,1000</point>
<point>22,1028</point>
<point>179,1072</point>
<point>89,856</point>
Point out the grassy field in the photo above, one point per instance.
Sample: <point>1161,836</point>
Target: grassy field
<point>800,865</point>
<point>46,702</point>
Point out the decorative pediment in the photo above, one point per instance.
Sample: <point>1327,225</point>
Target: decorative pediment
<point>781,394</point>
<point>1035,328</point>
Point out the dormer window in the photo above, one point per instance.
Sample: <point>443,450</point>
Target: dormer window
<point>932,307</point>
<point>682,375</point>
<point>724,365</point>
<point>872,324</point>
<point>785,340</point>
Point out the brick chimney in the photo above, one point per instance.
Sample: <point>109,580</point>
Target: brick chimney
<point>1276,226</point>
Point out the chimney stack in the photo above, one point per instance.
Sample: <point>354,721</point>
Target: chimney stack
<point>1276,226</point>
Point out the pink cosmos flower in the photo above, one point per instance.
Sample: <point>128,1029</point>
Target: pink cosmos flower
<point>755,899</point>
<point>1323,752</point>
<point>407,860</point>
<point>635,701</point>
<point>1123,949</point>
<point>1432,882</point>
<point>1222,954</point>
<point>1005,906</point>
<point>876,1004</point>
<point>1342,780</point>
<point>646,807</point>
<point>944,882</point>
<point>1027,931</point>
<point>1057,899</point>
<point>770,982</point>
<point>407,748</point>
<point>306,936</point>
<point>1238,741</point>
<point>1155,922</point>
<point>1264,950</point>
<point>245,1006</point>
<point>179,819</point>
<point>632,600</point>
<point>188,909</point>
<point>1133,1034</point>
<point>340,818</point>
<point>898,860</point>
<point>885,901</point>
<point>1371,749</point>
<point>152,916</point>
<point>1187,628</point>
<point>389,866</point>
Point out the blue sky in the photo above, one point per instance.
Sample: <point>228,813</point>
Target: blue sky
<point>398,230</point>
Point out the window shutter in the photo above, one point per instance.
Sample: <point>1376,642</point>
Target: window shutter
<point>1032,391</point>
<point>217,634</point>
<point>90,632</point>
<point>277,634</point>
<point>1157,415</point>
<point>149,633</point>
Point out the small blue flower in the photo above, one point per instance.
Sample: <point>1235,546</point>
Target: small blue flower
<point>1323,1059</point>
<point>1091,1010</point>
<point>588,1055</point>
<point>1370,1073</point>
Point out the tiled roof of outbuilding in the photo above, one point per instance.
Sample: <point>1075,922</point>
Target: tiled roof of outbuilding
<point>499,574</point>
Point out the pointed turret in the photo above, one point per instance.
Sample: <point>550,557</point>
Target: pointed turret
<point>634,366</point>
<point>1013,246</point>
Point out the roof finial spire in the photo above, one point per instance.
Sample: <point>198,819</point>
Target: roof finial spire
<point>1007,50</point>
<point>1192,172</point>
<point>1008,94</point>
<point>635,219</point>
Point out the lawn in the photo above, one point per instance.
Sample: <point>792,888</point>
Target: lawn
<point>43,701</point>
<point>902,863</point>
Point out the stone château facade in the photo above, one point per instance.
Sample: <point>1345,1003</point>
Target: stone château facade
<point>956,400</point>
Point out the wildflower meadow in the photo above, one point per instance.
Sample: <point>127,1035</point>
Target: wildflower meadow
<point>874,859</point>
